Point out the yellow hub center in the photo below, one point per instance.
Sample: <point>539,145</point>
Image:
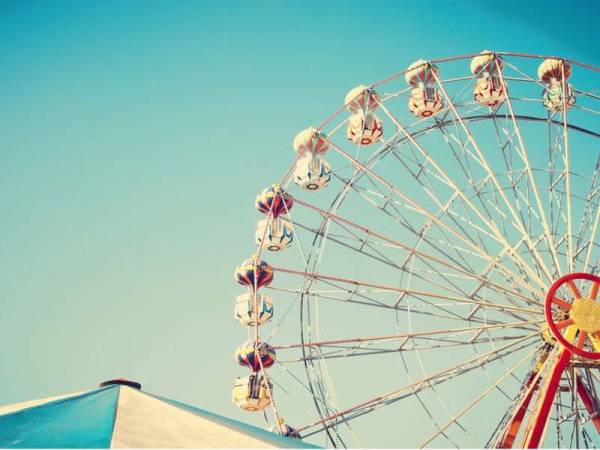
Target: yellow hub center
<point>585,313</point>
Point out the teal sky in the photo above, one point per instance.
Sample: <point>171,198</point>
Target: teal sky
<point>133,139</point>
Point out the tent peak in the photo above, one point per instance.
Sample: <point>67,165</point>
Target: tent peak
<point>122,382</point>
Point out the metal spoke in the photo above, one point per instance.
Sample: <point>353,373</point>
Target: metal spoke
<point>444,374</point>
<point>523,154</point>
<point>412,292</point>
<point>478,399</point>
<point>403,336</point>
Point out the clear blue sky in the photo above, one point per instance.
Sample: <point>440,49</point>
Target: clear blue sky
<point>133,138</point>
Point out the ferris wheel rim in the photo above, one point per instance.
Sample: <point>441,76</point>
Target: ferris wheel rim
<point>569,125</point>
<point>467,119</point>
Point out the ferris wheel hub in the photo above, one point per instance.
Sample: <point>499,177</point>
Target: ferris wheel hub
<point>574,318</point>
<point>585,313</point>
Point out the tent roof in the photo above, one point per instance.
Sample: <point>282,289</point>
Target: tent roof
<point>120,416</point>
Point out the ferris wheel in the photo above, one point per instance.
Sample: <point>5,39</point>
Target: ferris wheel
<point>425,271</point>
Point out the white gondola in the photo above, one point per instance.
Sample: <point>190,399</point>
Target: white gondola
<point>361,99</point>
<point>425,102</point>
<point>553,97</point>
<point>425,99</point>
<point>421,73</point>
<point>489,89</point>
<point>251,393</point>
<point>555,73</point>
<point>486,62</point>
<point>312,173</point>
<point>311,141</point>
<point>244,309</point>
<point>277,233</point>
<point>364,129</point>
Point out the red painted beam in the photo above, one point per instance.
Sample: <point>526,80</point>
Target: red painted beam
<point>586,398</point>
<point>544,403</point>
<point>517,419</point>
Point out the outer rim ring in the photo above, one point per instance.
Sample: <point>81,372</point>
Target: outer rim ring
<point>343,195</point>
<point>548,312</point>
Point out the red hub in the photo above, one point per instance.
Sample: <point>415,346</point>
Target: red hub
<point>573,313</point>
